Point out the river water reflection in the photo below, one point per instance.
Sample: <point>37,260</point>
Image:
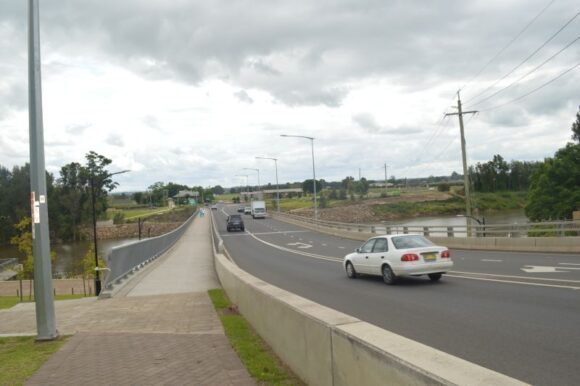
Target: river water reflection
<point>69,256</point>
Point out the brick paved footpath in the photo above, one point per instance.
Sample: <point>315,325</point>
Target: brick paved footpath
<point>161,329</point>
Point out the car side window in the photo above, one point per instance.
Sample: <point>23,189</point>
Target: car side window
<point>380,246</point>
<point>368,246</point>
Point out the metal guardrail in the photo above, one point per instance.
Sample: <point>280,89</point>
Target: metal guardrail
<point>126,259</point>
<point>552,228</point>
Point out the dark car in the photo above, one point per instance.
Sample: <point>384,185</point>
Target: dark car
<point>235,222</point>
<point>240,209</point>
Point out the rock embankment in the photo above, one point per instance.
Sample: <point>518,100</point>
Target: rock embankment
<point>125,231</point>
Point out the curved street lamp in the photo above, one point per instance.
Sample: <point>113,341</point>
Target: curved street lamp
<point>313,169</point>
<point>277,186</point>
<point>256,170</point>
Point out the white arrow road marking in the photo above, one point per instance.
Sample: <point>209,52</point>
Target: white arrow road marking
<point>300,245</point>
<point>545,269</point>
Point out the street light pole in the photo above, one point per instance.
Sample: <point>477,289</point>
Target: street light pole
<point>277,185</point>
<point>43,295</point>
<point>313,168</point>
<point>244,175</point>
<point>94,202</point>
<point>257,170</point>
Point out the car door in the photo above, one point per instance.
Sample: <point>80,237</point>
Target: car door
<point>361,259</point>
<point>378,256</point>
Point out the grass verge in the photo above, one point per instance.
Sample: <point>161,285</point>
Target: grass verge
<point>11,301</point>
<point>260,361</point>
<point>20,357</point>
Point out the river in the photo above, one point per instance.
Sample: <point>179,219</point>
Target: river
<point>70,255</point>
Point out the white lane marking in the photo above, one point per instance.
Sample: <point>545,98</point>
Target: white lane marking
<point>516,277</point>
<point>516,282</point>
<point>340,247</point>
<point>278,232</point>
<point>492,260</point>
<point>300,245</point>
<point>324,245</point>
<point>320,257</point>
<point>545,269</point>
<point>568,264</point>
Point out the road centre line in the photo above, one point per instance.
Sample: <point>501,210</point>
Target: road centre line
<point>515,282</point>
<point>492,260</point>
<point>316,256</point>
<point>515,277</point>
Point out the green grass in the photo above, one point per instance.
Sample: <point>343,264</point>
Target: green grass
<point>426,208</point>
<point>259,360</point>
<point>500,200</point>
<point>20,357</point>
<point>130,214</point>
<point>11,301</point>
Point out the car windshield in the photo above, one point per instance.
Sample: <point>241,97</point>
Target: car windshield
<point>411,241</point>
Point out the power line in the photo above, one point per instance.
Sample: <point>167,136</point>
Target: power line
<point>534,90</point>
<point>527,74</point>
<point>527,58</point>
<point>507,45</point>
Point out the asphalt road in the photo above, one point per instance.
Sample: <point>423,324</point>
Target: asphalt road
<point>516,313</point>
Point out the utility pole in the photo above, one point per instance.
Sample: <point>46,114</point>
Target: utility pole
<point>359,174</point>
<point>466,184</point>
<point>43,295</point>
<point>386,186</point>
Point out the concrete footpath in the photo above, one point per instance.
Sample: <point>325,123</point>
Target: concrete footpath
<point>161,328</point>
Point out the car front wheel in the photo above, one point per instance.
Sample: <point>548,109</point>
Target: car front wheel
<point>350,271</point>
<point>388,275</point>
<point>435,276</point>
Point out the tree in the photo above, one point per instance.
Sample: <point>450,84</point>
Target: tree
<point>555,186</point>
<point>218,189</point>
<point>308,186</point>
<point>72,194</point>
<point>362,187</point>
<point>98,181</point>
<point>576,128</point>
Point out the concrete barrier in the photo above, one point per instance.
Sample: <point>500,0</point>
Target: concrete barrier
<point>570,244</point>
<point>326,347</point>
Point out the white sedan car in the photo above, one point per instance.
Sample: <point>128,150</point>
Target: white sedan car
<point>390,256</point>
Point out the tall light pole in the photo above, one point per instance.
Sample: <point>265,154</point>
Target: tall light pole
<point>256,170</point>
<point>43,295</point>
<point>313,168</point>
<point>244,175</point>
<point>93,202</point>
<point>277,186</point>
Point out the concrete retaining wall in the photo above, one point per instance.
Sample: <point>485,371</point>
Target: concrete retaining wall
<point>569,244</point>
<point>326,347</point>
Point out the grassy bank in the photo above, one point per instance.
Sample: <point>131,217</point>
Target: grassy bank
<point>260,361</point>
<point>11,301</point>
<point>485,202</point>
<point>21,357</point>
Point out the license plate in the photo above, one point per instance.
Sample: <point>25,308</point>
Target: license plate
<point>429,257</point>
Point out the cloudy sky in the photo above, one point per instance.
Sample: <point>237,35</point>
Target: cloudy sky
<point>192,91</point>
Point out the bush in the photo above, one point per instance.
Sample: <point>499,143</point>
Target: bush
<point>119,218</point>
<point>443,187</point>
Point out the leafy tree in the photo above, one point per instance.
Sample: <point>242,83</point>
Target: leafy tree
<point>98,181</point>
<point>348,184</point>
<point>361,187</point>
<point>71,186</point>
<point>576,128</point>
<point>555,186</point>
<point>308,186</point>
<point>138,197</point>
<point>218,189</point>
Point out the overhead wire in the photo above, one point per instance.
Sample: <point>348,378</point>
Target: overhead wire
<point>527,74</point>
<point>534,90</point>
<point>526,59</point>
<point>507,45</point>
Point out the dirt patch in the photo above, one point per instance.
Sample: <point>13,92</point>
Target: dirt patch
<point>362,211</point>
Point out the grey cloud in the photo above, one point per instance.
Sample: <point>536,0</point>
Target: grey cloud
<point>77,129</point>
<point>368,123</point>
<point>243,96</point>
<point>115,140</point>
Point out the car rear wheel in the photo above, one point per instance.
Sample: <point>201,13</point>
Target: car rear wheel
<point>350,271</point>
<point>435,276</point>
<point>388,275</point>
